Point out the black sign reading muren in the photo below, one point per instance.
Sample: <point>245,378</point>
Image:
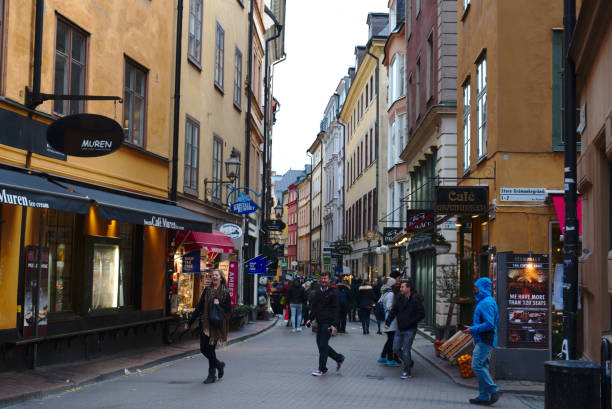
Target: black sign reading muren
<point>462,200</point>
<point>85,135</point>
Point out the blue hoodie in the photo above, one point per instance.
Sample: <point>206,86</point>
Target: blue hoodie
<point>486,316</point>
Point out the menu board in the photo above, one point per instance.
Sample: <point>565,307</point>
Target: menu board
<point>527,300</point>
<point>31,278</point>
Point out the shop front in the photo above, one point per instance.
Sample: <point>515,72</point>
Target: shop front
<point>98,257</point>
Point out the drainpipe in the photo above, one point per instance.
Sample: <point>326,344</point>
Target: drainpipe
<point>177,100</point>
<point>570,243</point>
<point>247,142</point>
<point>344,178</point>
<point>377,130</point>
<point>38,43</point>
<point>264,179</point>
<point>310,217</point>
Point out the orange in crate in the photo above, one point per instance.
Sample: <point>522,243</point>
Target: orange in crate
<point>465,365</point>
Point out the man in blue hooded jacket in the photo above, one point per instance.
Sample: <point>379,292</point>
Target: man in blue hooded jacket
<point>484,333</point>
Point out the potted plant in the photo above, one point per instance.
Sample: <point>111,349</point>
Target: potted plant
<point>239,316</point>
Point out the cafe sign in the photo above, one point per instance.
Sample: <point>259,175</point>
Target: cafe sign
<point>418,220</point>
<point>468,200</point>
<point>390,233</point>
<point>85,135</point>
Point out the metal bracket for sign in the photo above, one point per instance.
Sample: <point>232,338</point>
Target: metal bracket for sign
<point>237,189</point>
<point>33,100</point>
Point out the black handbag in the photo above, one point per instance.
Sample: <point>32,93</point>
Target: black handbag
<point>216,315</point>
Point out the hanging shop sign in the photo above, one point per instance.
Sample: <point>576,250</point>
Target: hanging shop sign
<point>462,200</point>
<point>419,220</point>
<point>191,262</point>
<point>371,235</point>
<point>242,204</point>
<point>31,276</point>
<point>85,135</point>
<point>274,225</point>
<point>257,265</point>
<point>389,234</point>
<point>232,230</point>
<point>527,296</point>
<point>283,264</point>
<point>232,281</point>
<point>344,249</point>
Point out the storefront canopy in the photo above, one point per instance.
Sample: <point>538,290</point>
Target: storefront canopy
<point>145,210</point>
<point>23,189</point>
<point>215,242</point>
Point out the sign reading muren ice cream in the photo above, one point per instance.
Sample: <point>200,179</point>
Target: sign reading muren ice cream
<point>527,300</point>
<point>85,135</point>
<point>462,200</point>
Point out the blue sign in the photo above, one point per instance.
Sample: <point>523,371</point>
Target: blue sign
<point>191,262</point>
<point>243,203</point>
<point>257,265</point>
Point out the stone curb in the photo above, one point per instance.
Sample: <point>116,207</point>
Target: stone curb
<point>113,374</point>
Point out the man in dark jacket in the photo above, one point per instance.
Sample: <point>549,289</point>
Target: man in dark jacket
<point>296,297</point>
<point>355,297</point>
<point>409,311</point>
<point>326,310</point>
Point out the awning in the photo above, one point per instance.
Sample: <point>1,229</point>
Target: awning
<point>31,190</point>
<point>215,242</point>
<point>145,210</point>
<point>559,203</point>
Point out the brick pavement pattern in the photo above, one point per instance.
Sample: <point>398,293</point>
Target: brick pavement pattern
<point>272,371</point>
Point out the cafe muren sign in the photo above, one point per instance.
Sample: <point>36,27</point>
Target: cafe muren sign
<point>85,135</point>
<point>462,200</point>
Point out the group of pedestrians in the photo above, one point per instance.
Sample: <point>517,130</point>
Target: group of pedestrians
<point>329,306</point>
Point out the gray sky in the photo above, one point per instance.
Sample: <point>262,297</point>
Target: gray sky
<point>320,42</point>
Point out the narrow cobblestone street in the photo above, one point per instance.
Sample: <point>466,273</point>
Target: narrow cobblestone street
<point>271,371</point>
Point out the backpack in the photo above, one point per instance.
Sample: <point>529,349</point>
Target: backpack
<point>379,311</point>
<point>342,296</point>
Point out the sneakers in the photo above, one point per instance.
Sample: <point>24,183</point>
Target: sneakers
<point>293,330</point>
<point>318,373</point>
<point>405,375</point>
<point>299,329</point>
<point>382,360</point>
<point>339,363</point>
<point>392,363</point>
<point>478,401</point>
<point>495,397</point>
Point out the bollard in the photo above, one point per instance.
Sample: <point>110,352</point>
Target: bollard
<point>605,374</point>
<point>572,384</point>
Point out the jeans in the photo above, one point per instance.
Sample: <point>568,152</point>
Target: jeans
<point>296,315</point>
<point>209,352</point>
<point>323,336</point>
<point>364,316</point>
<point>403,341</point>
<point>481,359</point>
<point>387,351</point>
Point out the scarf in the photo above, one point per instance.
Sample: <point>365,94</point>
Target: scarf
<point>215,335</point>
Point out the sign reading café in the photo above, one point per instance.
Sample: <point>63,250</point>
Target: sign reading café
<point>462,200</point>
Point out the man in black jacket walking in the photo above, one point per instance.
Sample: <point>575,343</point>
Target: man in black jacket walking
<point>326,310</point>
<point>409,311</point>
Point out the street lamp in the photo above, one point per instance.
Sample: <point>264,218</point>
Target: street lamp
<point>232,166</point>
<point>278,210</point>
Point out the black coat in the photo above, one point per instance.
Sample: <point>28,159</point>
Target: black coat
<point>325,306</point>
<point>296,295</point>
<point>365,297</point>
<point>409,311</point>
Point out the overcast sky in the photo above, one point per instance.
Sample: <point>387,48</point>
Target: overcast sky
<point>320,41</point>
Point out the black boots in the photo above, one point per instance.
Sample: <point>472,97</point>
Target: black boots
<point>220,366</point>
<point>211,376</point>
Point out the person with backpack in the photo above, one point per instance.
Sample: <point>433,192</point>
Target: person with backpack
<point>389,291</point>
<point>296,297</point>
<point>408,309</point>
<point>213,311</point>
<point>344,292</point>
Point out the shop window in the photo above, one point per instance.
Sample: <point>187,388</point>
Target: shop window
<point>134,103</point>
<point>105,270</point>
<point>60,230</point>
<point>70,66</point>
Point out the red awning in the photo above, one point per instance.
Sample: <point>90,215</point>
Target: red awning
<point>559,202</point>
<point>215,242</point>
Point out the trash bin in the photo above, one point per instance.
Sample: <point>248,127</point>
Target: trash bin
<point>572,384</point>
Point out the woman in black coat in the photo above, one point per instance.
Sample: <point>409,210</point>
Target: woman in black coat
<point>365,301</point>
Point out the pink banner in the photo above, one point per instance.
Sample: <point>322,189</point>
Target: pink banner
<point>559,202</point>
<point>232,278</point>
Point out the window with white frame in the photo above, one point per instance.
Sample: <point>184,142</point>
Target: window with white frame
<point>237,78</point>
<point>393,16</point>
<point>466,3</point>
<point>391,145</point>
<point>194,48</point>
<point>466,126</point>
<point>401,136</point>
<point>481,106</point>
<point>408,19</point>
<point>219,55</point>
<point>430,67</point>
<point>397,87</point>
<point>192,143</point>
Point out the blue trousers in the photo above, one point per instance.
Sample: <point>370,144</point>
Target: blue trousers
<point>480,365</point>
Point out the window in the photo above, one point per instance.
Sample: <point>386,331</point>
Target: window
<point>372,147</point>
<point>192,145</point>
<point>70,65</point>
<point>481,106</point>
<point>396,80</point>
<point>134,102</point>
<point>60,240</point>
<point>558,143</point>
<point>217,167</point>
<point>237,78</point>
<point>430,67</point>
<point>466,126</point>
<point>367,99</point>
<point>466,4</point>
<point>408,19</point>
<point>393,16</point>
<point>372,87</point>
<point>1,43</point>
<point>195,32</point>
<point>410,97</point>
<point>417,94</point>
<point>219,56</point>
<point>417,7</point>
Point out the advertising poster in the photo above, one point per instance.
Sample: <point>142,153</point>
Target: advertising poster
<point>31,275</point>
<point>527,300</point>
